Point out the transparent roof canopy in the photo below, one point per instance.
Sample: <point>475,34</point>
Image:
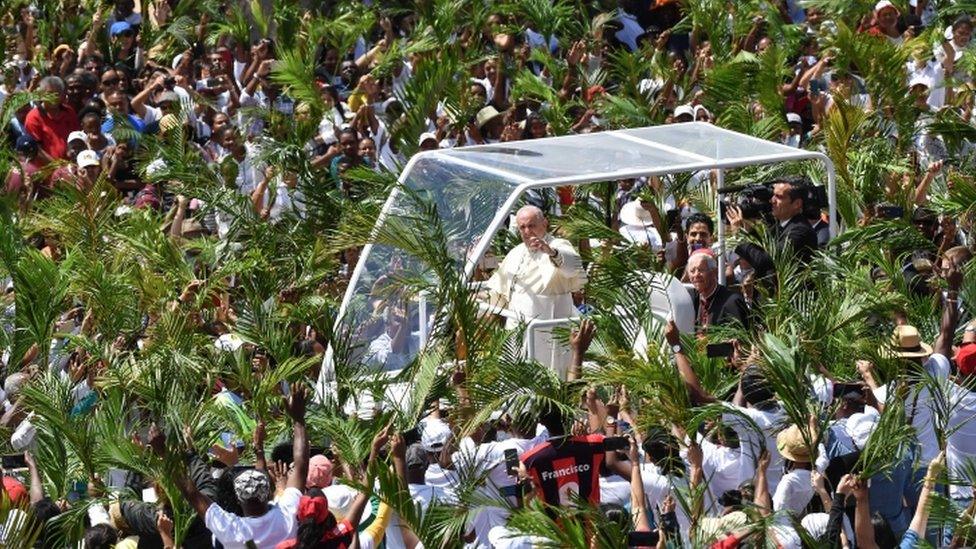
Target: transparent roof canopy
<point>475,188</point>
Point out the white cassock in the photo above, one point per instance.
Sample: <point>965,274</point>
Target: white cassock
<point>535,286</point>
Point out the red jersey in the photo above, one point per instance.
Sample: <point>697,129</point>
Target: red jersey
<point>51,130</point>
<point>568,471</point>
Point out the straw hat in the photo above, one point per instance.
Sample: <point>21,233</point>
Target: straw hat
<point>632,213</point>
<point>907,343</point>
<point>791,446</point>
<point>485,115</point>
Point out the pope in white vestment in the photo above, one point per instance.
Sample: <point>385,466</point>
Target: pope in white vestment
<point>536,280</point>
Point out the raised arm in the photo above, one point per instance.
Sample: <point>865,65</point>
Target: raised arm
<point>138,103</point>
<point>638,504</point>
<point>762,499</point>
<point>698,394</point>
<point>863,529</point>
<point>921,517</point>
<point>295,407</point>
<point>259,460</point>
<point>923,187</point>
<point>359,504</point>
<point>36,484</point>
<point>197,500</point>
<point>950,310</point>
<point>579,342</point>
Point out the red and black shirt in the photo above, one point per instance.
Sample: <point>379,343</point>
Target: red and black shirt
<point>567,471</point>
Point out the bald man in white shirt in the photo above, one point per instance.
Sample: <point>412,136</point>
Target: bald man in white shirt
<point>536,280</point>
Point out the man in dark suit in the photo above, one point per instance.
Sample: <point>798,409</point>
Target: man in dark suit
<point>790,228</point>
<point>714,303</point>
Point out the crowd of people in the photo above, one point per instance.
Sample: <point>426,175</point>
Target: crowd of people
<point>188,187</point>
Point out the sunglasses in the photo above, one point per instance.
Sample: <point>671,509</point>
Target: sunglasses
<point>110,82</point>
<point>126,33</point>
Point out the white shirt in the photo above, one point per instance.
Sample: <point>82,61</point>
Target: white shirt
<point>285,200</point>
<point>769,423</point>
<point>340,497</point>
<point>277,525</point>
<point>721,466</point>
<point>424,495</point>
<point>920,406</point>
<point>793,492</point>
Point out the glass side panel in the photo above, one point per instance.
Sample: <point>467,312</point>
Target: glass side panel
<point>452,205</point>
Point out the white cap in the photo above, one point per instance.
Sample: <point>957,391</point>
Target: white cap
<point>793,118</point>
<point>425,136</point>
<point>87,158</point>
<point>920,80</point>
<point>229,342</point>
<point>884,4</point>
<point>684,110</point>
<point>860,426</point>
<point>77,135</point>
<point>434,434</point>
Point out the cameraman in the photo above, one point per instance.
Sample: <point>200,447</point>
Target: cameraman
<point>790,227</point>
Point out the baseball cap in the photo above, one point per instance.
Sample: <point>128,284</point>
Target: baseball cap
<point>434,435</point>
<point>966,359</point>
<point>425,136</point>
<point>25,143</point>
<point>793,118</point>
<point>883,4</point>
<point>252,485</point>
<point>920,80</point>
<point>119,27</point>
<point>87,158</point>
<point>167,97</point>
<point>81,136</point>
<point>684,110</point>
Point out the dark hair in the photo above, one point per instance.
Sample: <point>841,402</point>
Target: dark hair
<point>44,511</point>
<point>730,498</point>
<point>616,514</point>
<point>225,497</point>
<point>699,217</point>
<point>552,419</point>
<point>755,388</point>
<point>349,130</point>
<point>282,452</point>
<point>798,186</point>
<point>310,533</point>
<point>223,131</point>
<point>662,448</point>
<point>101,536</point>
<point>883,534</point>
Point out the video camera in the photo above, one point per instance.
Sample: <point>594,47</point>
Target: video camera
<point>754,200</point>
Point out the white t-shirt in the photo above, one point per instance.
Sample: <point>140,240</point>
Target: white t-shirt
<point>770,423</point>
<point>721,467</point>
<point>277,525</point>
<point>424,495</point>
<point>961,447</point>
<point>793,492</point>
<point>919,406</point>
<point>340,498</point>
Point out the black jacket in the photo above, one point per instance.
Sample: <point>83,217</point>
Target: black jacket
<point>797,233</point>
<point>725,307</point>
